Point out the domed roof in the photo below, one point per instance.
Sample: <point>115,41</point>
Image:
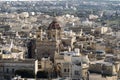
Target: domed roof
<point>54,25</point>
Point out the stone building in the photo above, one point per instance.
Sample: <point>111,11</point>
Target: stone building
<point>53,40</point>
<point>72,65</point>
<point>47,43</point>
<point>8,67</point>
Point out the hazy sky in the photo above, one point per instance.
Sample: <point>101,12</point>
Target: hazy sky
<point>27,0</point>
<point>44,0</point>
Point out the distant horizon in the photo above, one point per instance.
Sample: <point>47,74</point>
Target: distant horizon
<point>51,0</point>
<point>31,0</point>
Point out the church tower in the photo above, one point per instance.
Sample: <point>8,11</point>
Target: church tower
<point>46,46</point>
<point>39,34</point>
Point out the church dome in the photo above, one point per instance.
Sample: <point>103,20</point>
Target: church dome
<point>54,25</point>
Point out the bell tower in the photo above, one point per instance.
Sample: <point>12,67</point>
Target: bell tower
<point>47,41</point>
<point>39,34</point>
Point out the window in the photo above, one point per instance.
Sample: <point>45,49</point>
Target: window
<point>39,66</point>
<point>7,70</point>
<point>68,70</point>
<point>38,36</point>
<point>76,72</point>
<point>54,36</point>
<point>13,70</point>
<point>64,70</point>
